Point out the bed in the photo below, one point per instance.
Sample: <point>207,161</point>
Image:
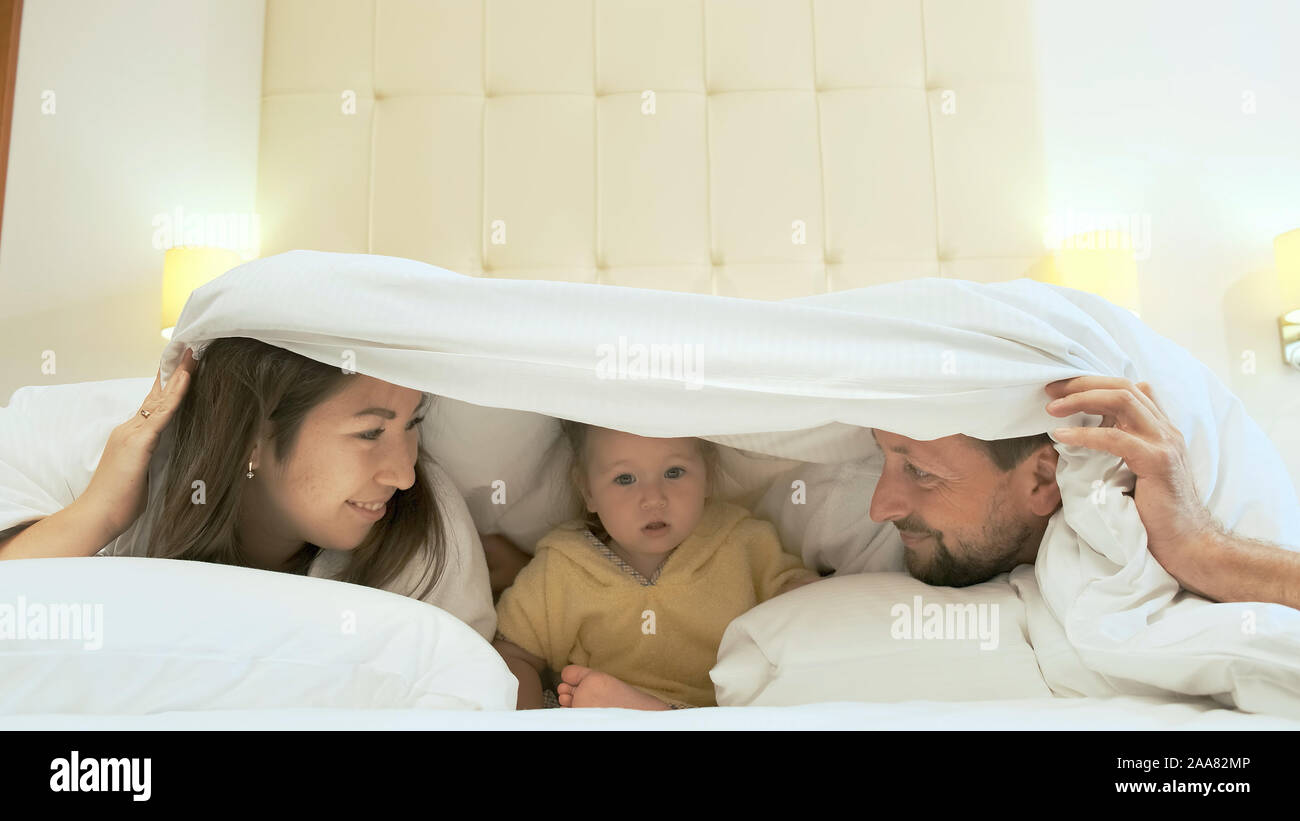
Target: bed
<point>743,164</point>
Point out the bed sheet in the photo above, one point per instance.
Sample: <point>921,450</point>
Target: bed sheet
<point>1120,713</point>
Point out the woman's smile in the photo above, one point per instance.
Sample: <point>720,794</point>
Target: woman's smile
<point>370,512</point>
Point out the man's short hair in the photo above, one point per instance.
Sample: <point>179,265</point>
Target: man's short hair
<point>1008,453</point>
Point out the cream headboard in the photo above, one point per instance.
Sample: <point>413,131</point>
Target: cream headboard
<point>757,148</point>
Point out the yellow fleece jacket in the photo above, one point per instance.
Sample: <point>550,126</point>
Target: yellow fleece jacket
<point>576,602</point>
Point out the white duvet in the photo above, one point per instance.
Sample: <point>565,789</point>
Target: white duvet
<point>800,379</point>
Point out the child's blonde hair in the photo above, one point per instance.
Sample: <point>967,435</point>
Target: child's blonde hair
<point>576,434</point>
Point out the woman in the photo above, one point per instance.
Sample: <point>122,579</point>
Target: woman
<point>268,459</point>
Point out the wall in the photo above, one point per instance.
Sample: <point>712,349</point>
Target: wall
<point>1186,113</point>
<point>155,107</point>
<point>1144,109</point>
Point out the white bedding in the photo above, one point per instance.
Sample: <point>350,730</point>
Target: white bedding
<point>135,636</point>
<point>924,358</point>
<point>1120,713</point>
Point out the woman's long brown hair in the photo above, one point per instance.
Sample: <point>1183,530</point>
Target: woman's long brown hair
<point>237,384</point>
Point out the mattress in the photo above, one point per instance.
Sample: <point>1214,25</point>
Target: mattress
<point>1120,713</point>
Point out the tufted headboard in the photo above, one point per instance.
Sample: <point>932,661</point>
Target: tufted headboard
<point>756,148</point>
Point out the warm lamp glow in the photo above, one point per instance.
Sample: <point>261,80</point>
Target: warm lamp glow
<point>1099,262</point>
<point>1286,250</point>
<point>185,269</point>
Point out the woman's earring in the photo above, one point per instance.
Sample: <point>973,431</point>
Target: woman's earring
<point>250,470</point>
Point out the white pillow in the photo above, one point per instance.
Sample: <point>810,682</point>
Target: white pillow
<point>828,522</point>
<point>853,638</point>
<point>153,635</point>
<point>512,467</point>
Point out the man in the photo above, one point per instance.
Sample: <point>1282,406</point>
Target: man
<point>968,510</point>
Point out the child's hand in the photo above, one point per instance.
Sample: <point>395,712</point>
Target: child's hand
<point>527,668</point>
<point>504,561</point>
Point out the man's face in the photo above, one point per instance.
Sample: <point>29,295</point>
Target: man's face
<point>962,520</point>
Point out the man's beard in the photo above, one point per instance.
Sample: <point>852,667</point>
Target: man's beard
<point>1000,544</point>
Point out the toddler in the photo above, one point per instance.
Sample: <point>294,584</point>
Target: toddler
<point>630,604</point>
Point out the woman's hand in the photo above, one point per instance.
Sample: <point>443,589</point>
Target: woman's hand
<point>118,491</point>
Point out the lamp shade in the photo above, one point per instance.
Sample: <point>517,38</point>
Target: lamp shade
<point>1099,262</point>
<point>1286,250</point>
<point>185,269</point>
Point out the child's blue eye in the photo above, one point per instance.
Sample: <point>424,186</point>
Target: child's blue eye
<point>618,479</point>
<point>679,470</point>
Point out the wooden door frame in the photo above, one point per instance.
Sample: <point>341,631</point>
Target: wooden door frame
<point>11,17</point>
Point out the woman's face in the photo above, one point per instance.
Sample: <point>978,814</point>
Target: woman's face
<point>353,452</point>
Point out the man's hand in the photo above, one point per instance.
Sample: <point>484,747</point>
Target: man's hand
<point>1179,528</point>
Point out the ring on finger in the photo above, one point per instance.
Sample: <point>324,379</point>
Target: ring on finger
<point>146,414</point>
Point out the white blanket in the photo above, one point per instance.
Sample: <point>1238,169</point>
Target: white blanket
<point>800,379</point>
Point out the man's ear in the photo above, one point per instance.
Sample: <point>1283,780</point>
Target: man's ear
<point>1044,493</point>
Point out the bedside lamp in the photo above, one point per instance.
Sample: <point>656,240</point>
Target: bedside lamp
<point>1286,250</point>
<point>1088,262</point>
<point>186,268</point>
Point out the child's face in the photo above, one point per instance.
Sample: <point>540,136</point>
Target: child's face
<point>649,493</point>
